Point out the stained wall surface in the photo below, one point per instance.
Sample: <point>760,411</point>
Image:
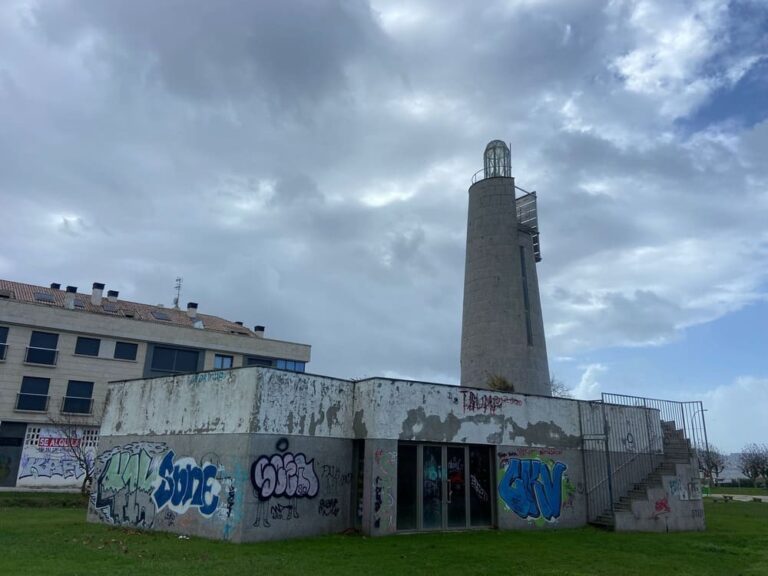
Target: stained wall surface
<point>502,331</point>
<point>260,454</point>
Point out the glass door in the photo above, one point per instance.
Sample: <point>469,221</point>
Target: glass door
<point>455,500</point>
<point>432,487</point>
<point>441,487</point>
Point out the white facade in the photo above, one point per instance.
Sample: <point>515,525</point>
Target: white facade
<point>56,360</point>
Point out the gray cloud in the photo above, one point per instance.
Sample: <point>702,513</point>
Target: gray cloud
<point>305,165</point>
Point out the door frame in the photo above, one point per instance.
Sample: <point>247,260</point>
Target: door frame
<point>444,486</point>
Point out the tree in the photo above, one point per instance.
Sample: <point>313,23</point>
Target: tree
<point>497,382</point>
<point>753,461</point>
<point>711,462</point>
<point>74,442</point>
<point>559,388</point>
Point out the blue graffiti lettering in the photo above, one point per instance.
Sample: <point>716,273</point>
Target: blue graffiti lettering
<point>531,488</point>
<point>183,484</point>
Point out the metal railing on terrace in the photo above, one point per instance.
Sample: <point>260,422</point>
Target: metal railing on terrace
<point>77,405</point>
<point>42,356</point>
<point>526,208</point>
<point>26,402</point>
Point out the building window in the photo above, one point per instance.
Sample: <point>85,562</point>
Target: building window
<point>259,361</point>
<point>293,365</point>
<point>526,299</point>
<point>79,398</point>
<point>87,346</point>
<point>126,350</point>
<point>222,361</point>
<point>33,395</point>
<point>32,436</point>
<point>174,359</point>
<point>3,340</point>
<point>42,348</point>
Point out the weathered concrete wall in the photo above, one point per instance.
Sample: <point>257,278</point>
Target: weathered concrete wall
<point>403,410</point>
<point>540,487</point>
<point>261,454</point>
<point>239,487</point>
<point>494,334</point>
<point>674,506</point>
<point>258,400</point>
<point>380,489</point>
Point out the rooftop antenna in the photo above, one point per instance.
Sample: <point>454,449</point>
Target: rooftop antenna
<point>177,287</point>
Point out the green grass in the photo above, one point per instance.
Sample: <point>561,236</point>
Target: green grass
<point>744,491</point>
<point>43,500</point>
<point>53,541</point>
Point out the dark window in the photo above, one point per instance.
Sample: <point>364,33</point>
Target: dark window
<point>44,297</point>
<point>174,359</point>
<point>33,394</point>
<point>110,307</point>
<point>292,365</point>
<point>526,299</point>
<point>79,397</point>
<point>159,315</point>
<point>125,350</point>
<point>256,361</point>
<point>87,346</point>
<point>480,489</point>
<point>79,303</point>
<point>222,362</point>
<point>407,487</point>
<point>42,348</point>
<point>3,340</point>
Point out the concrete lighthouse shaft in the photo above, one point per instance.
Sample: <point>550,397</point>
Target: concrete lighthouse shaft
<point>502,340</point>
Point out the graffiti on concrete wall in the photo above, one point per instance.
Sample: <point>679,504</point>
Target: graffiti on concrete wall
<point>661,507</point>
<point>123,491</point>
<point>505,457</point>
<point>383,489</point>
<point>52,459</point>
<point>282,475</point>
<point>486,403</point>
<point>140,479</point>
<point>535,488</point>
<point>182,484</point>
<point>683,490</point>
<point>328,507</point>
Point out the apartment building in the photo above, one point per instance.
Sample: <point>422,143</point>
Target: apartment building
<point>60,347</point>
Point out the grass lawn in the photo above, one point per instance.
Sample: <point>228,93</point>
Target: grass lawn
<point>57,540</point>
<point>744,491</point>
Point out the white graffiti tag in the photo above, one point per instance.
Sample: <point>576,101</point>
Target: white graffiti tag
<point>287,474</point>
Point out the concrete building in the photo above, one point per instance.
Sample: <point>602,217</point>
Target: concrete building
<point>260,454</point>
<point>59,348</point>
<point>502,337</point>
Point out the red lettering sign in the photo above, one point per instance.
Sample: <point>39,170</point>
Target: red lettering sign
<point>54,442</point>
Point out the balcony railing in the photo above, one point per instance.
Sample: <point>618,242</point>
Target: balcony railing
<point>76,405</point>
<point>527,217</point>
<point>3,350</point>
<point>44,356</point>
<point>27,402</point>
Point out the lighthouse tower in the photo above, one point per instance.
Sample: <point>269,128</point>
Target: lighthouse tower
<point>502,337</point>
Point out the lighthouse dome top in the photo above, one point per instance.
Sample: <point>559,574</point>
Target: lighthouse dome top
<point>496,160</point>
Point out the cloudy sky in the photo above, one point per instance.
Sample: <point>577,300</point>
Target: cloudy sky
<point>305,165</point>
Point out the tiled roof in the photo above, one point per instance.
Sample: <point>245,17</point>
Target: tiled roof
<point>122,308</point>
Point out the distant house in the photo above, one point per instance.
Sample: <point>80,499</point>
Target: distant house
<point>59,348</point>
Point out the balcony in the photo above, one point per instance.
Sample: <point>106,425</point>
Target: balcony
<point>3,350</point>
<point>527,218</point>
<point>26,402</point>
<point>41,356</point>
<point>77,405</point>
